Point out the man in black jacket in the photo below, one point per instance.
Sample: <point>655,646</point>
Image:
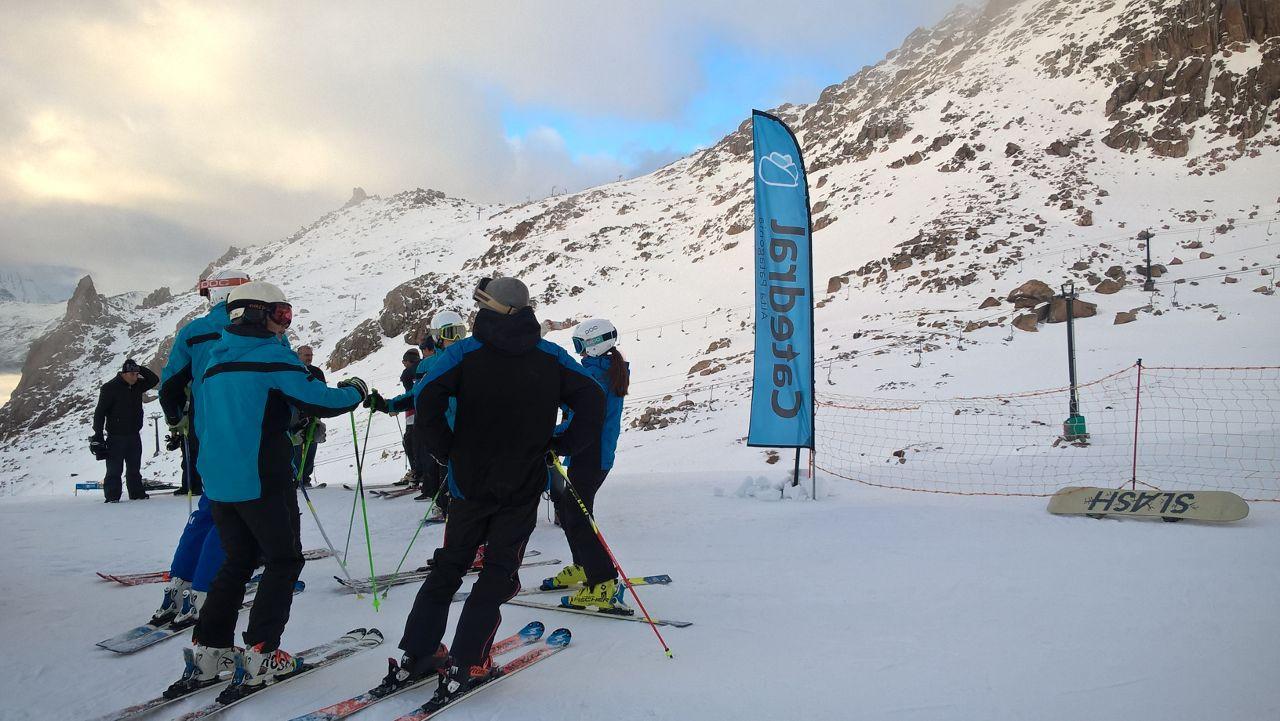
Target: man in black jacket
<point>509,385</point>
<point>306,354</point>
<point>119,410</point>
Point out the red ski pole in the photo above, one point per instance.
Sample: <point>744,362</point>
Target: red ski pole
<point>555,461</point>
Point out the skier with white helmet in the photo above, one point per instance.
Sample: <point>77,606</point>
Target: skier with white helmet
<point>592,572</point>
<point>199,553</point>
<point>248,387</point>
<point>447,327</point>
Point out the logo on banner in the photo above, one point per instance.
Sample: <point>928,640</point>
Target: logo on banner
<point>779,170</point>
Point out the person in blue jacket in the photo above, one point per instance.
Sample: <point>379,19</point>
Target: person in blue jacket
<point>249,386</point>
<point>199,553</point>
<point>592,571</point>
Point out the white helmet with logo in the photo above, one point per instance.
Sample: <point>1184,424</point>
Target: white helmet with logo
<point>447,327</point>
<point>594,337</point>
<point>218,285</point>
<point>253,303</point>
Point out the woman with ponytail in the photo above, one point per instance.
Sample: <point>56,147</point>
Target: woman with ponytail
<point>592,572</point>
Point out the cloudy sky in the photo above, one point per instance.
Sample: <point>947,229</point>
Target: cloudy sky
<point>139,139</point>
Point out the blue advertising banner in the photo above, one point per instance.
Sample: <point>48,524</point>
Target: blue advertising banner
<point>782,394</point>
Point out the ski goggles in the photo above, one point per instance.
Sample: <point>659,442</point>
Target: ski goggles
<point>451,332</point>
<point>582,344</point>
<point>482,297</point>
<point>205,285</point>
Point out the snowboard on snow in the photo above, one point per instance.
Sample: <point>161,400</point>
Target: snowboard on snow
<point>1213,506</point>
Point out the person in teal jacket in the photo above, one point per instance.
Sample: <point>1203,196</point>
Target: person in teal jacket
<point>592,570</point>
<point>246,393</point>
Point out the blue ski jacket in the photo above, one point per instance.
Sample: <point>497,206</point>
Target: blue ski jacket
<point>598,369</point>
<point>404,401</point>
<point>247,390</point>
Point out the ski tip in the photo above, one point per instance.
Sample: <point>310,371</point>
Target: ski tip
<point>559,638</point>
<point>664,578</point>
<point>300,586</point>
<point>376,633</point>
<point>533,630</point>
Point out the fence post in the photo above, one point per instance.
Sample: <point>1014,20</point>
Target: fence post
<point>1137,404</point>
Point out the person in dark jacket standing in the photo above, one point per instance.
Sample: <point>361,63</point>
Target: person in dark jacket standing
<point>408,377</point>
<point>119,411</point>
<point>509,385</point>
<point>306,354</point>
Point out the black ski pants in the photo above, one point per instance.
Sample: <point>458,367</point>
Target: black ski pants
<point>586,548</point>
<point>505,530</point>
<point>124,455</point>
<point>411,454</point>
<point>434,478</point>
<point>265,528</point>
<point>191,476</point>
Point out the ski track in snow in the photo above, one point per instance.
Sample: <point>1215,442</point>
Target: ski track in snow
<point>868,604</point>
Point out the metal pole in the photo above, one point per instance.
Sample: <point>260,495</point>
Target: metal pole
<point>1069,292</point>
<point>795,479</point>
<point>1137,404</point>
<point>155,423</point>
<point>1145,236</point>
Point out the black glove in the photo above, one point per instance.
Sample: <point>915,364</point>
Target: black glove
<point>375,402</point>
<point>98,448</point>
<point>173,441</point>
<point>356,383</point>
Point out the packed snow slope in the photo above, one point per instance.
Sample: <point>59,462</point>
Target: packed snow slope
<point>1027,140</point>
<point>870,604</point>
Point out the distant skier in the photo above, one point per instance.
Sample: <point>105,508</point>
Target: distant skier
<point>509,385</point>
<point>119,413</point>
<point>302,425</point>
<point>199,553</point>
<point>247,389</point>
<point>408,377</point>
<point>596,341</point>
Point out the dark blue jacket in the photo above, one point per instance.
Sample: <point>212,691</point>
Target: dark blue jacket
<point>601,454</point>
<point>246,395</point>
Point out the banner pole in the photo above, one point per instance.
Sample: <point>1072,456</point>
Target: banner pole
<point>795,478</point>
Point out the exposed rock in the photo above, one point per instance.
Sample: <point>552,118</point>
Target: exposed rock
<point>990,302</point>
<point>717,345</point>
<point>1176,261</point>
<point>1115,272</point>
<point>1230,279</point>
<point>1012,149</point>
<point>1109,287</point>
<point>1084,218</point>
<point>358,196</point>
<point>1124,316</point>
<point>1080,265</point>
<point>1030,294</point>
<point>835,282</point>
<point>1027,322</point>
<point>1205,255</point>
<point>1079,308</point>
<point>1264,289</point>
<point>358,345</point>
<point>1058,148</point>
<point>157,297</point>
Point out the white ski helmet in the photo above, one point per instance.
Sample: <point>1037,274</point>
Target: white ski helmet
<point>219,284</point>
<point>594,337</point>
<point>447,326</point>
<point>254,302</point>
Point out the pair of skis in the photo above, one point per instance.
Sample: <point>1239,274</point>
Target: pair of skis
<point>387,580</point>
<point>149,634</point>
<point>138,579</point>
<point>527,636</point>
<point>326,654</point>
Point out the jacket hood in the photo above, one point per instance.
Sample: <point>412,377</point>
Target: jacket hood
<point>512,334</point>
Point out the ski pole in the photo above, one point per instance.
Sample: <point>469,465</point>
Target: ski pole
<point>364,512</point>
<point>351,522</point>
<point>306,448</point>
<point>186,460</point>
<point>555,460</point>
<point>421,523</point>
<point>401,431</point>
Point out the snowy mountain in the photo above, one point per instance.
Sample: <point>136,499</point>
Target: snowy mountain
<point>31,297</point>
<point>43,284</point>
<point>1026,141</point>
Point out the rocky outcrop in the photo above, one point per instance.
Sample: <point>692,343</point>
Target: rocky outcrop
<point>357,345</point>
<point>1030,294</point>
<point>358,196</point>
<point>83,338</point>
<point>157,297</point>
<point>1027,322</point>
<point>1079,309</point>
<point>1124,316</point>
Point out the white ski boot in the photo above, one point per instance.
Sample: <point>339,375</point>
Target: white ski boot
<point>172,602</point>
<point>189,611</point>
<point>203,666</point>
<point>266,666</point>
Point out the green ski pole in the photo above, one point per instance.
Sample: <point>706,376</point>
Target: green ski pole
<point>364,513</point>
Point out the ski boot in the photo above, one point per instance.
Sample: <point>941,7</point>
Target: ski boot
<point>172,603</point>
<point>569,577</point>
<point>405,480</point>
<point>604,597</point>
<point>204,665</point>
<point>265,667</point>
<point>456,681</point>
<point>189,612</point>
<point>411,670</point>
